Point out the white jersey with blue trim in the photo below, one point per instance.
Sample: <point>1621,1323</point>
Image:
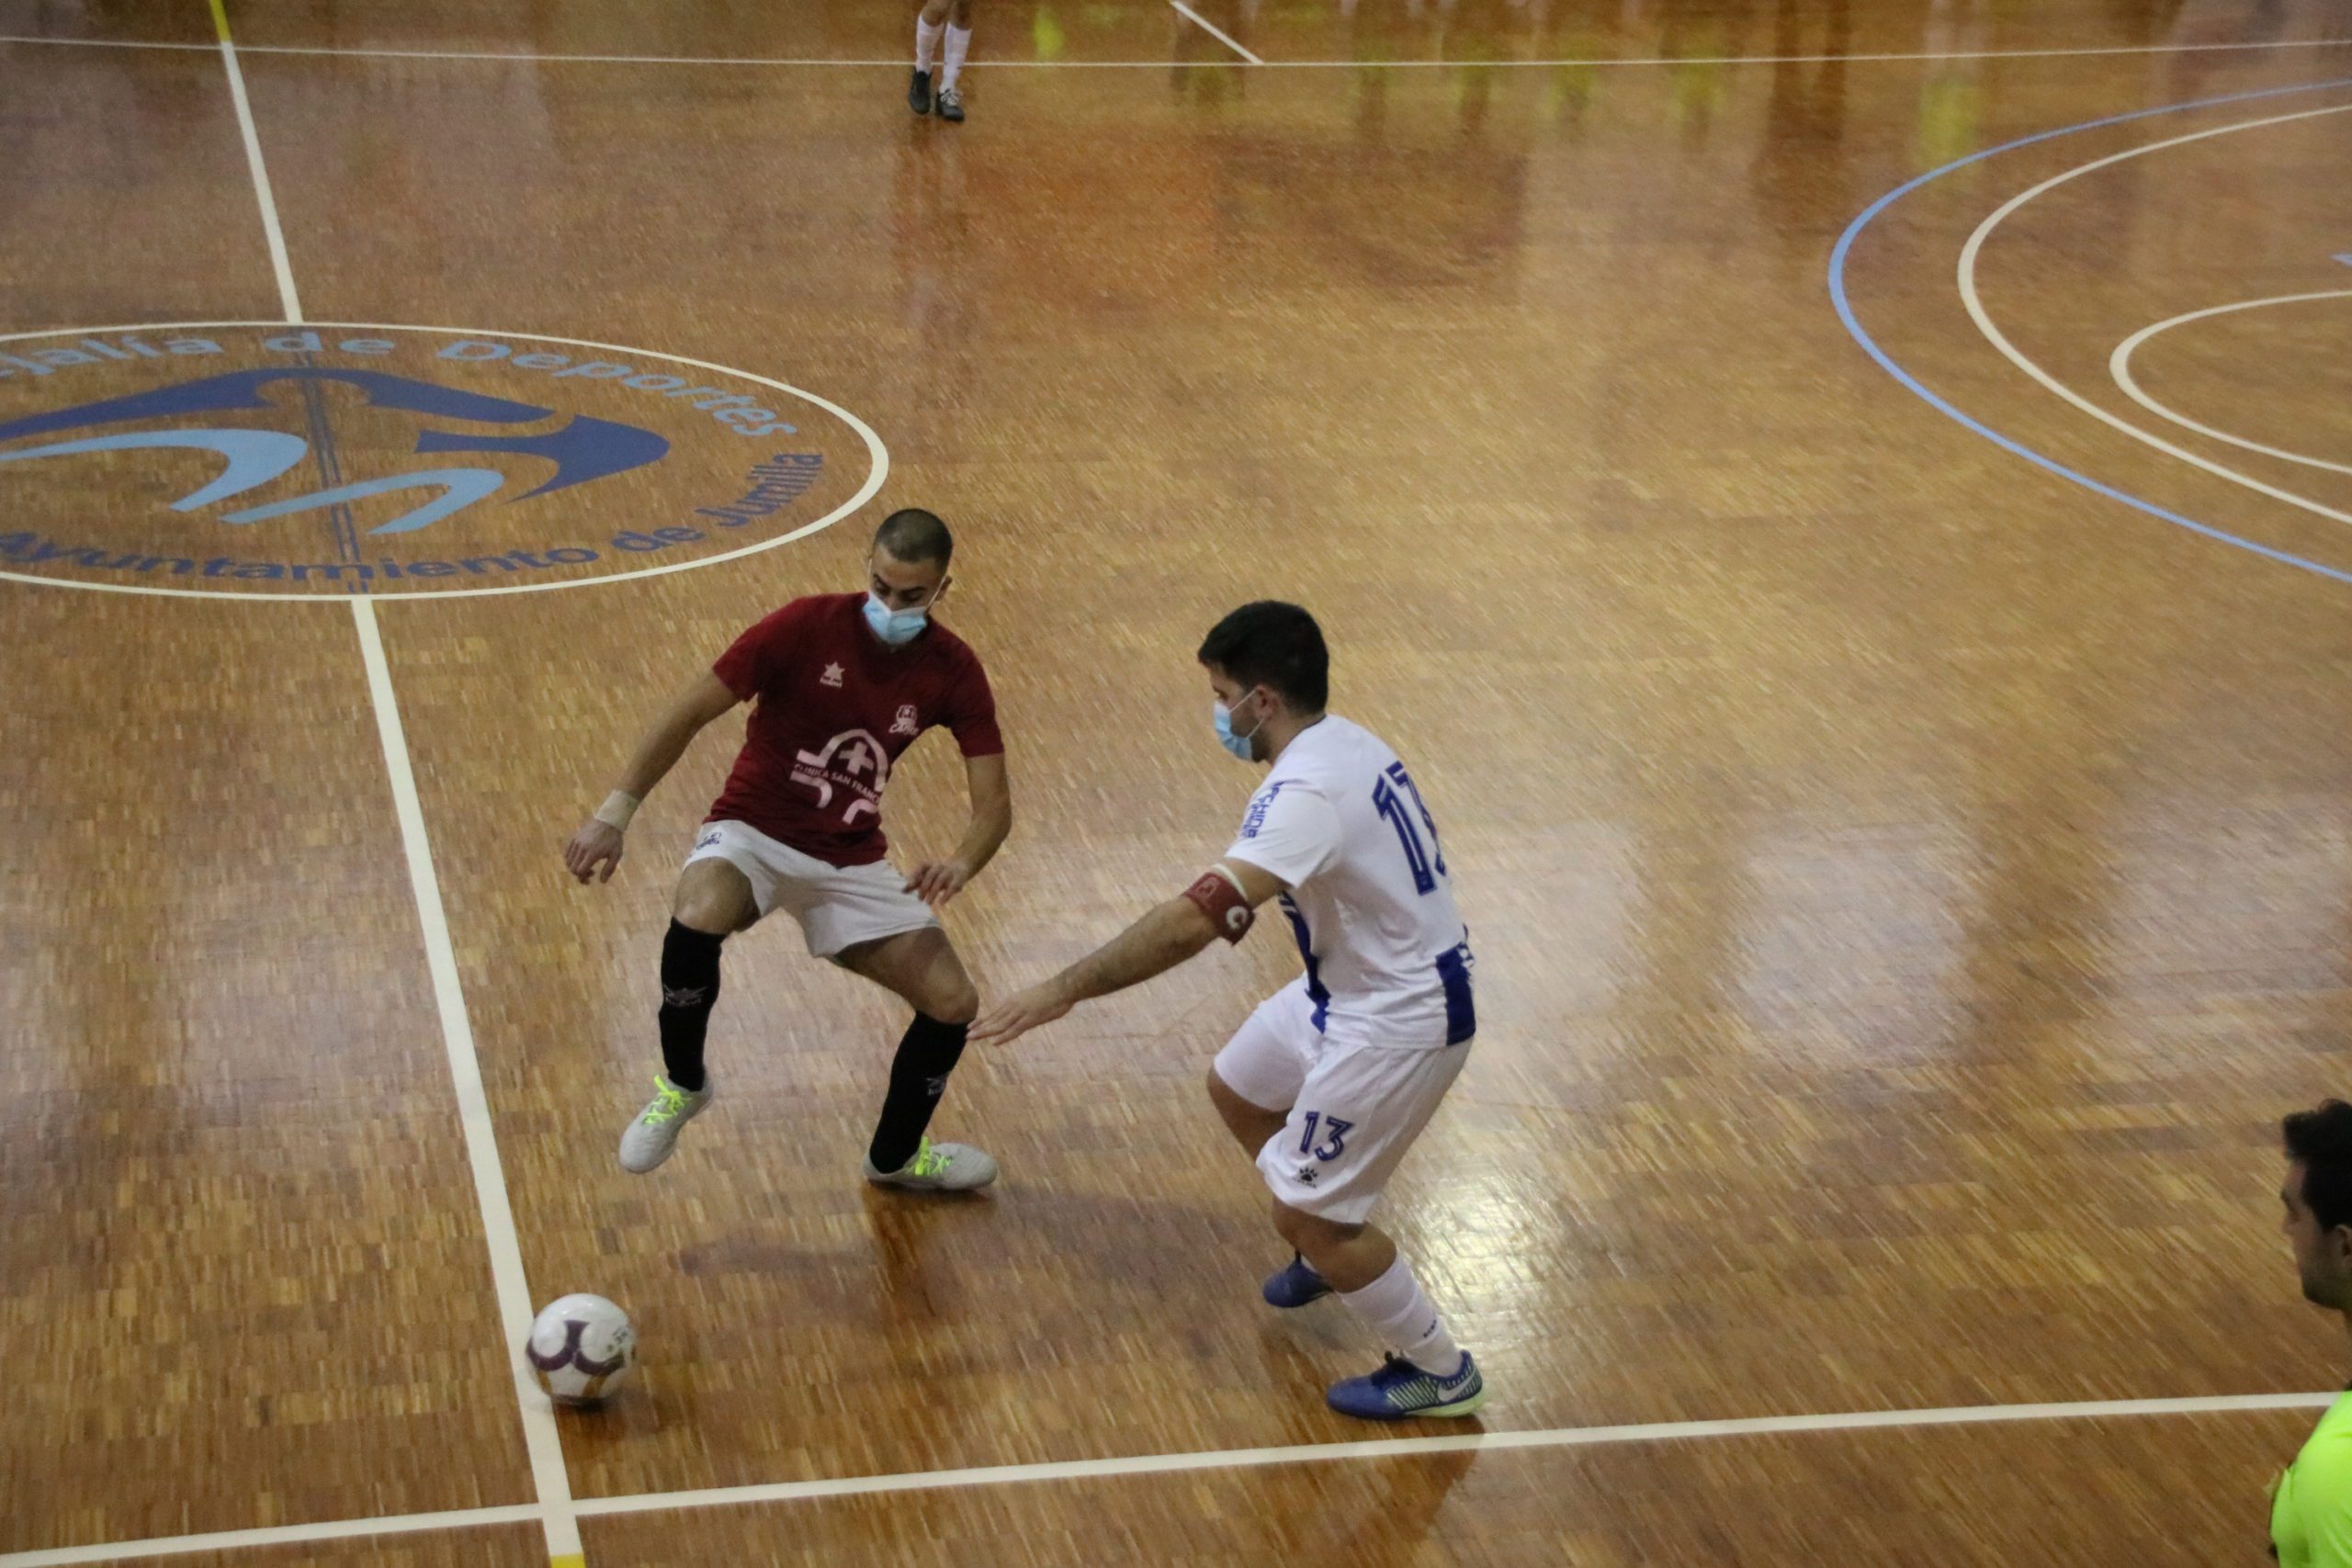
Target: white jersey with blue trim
<point>1341,820</point>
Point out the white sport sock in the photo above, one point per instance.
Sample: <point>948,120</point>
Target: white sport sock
<point>959,39</point>
<point>1397,1310</point>
<point>926,41</point>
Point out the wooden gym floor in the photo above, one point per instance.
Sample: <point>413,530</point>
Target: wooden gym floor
<point>1888,714</point>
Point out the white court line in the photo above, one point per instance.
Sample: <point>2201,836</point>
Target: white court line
<point>540,1439</point>
<point>1234,1458</point>
<point>274,235</point>
<point>275,1534</point>
<point>1557,1437</point>
<point>104,42</point>
<point>1977,311</point>
<point>2119,364</point>
<point>514,1310</point>
<point>1892,58</point>
<point>1668,59</point>
<point>1215,31</point>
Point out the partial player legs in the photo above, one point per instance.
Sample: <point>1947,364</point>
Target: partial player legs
<point>1253,1084</point>
<point>926,45</point>
<point>1327,1126</point>
<point>948,22</point>
<point>1429,1374</point>
<point>714,899</point>
<point>1348,1256</point>
<point>920,966</point>
<point>1252,1125</point>
<point>1432,1375</point>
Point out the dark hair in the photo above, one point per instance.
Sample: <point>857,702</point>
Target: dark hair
<point>2321,1139</point>
<point>914,536</point>
<point>1273,644</point>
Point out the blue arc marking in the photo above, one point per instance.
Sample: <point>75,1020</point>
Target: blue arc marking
<point>1886,363</point>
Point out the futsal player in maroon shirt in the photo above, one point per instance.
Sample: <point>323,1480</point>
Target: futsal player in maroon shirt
<point>841,685</point>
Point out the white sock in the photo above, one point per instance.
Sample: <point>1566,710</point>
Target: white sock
<point>1397,1310</point>
<point>959,39</point>
<point>926,41</point>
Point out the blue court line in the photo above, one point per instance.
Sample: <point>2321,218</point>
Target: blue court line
<point>1886,363</point>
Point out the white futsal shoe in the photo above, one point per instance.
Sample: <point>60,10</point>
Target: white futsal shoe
<point>938,1168</point>
<point>649,1138</point>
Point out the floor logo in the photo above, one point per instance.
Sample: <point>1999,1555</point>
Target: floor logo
<point>282,460</point>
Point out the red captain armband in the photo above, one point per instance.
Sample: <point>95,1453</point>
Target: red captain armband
<point>1218,896</point>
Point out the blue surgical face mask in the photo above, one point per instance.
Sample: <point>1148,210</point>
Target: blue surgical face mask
<point>1236,744</point>
<point>897,627</point>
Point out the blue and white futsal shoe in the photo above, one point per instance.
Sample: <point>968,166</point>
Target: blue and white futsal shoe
<point>1400,1390</point>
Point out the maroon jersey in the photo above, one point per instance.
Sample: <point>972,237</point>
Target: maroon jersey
<point>835,709</point>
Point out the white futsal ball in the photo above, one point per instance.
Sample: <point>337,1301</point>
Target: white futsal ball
<point>582,1346</point>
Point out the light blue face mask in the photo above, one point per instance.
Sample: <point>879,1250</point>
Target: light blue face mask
<point>897,627</point>
<point>1236,744</point>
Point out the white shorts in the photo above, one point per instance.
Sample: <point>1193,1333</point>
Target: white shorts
<point>838,906</point>
<point>1354,1110</point>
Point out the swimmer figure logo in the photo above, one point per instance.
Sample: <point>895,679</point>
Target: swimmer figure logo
<point>291,463</point>
<point>582,449</point>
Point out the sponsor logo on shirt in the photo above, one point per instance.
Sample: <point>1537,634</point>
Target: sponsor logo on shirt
<point>853,763</point>
<point>906,724</point>
<point>1258,807</point>
<point>831,677</point>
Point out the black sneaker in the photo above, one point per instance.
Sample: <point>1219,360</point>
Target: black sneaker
<point>918,92</point>
<point>950,105</point>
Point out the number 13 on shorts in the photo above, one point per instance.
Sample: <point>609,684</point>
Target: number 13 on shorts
<point>1335,1133</point>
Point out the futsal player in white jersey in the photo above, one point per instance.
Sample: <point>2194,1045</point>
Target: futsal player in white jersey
<point>1333,1077</point>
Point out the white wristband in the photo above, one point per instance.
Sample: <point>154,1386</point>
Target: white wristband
<point>619,807</point>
